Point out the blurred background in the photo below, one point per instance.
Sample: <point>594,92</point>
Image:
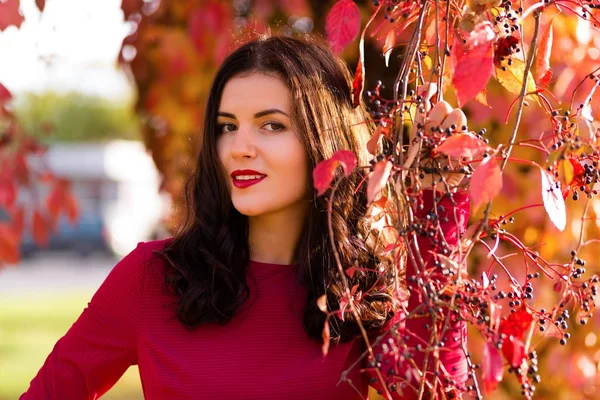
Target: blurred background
<point>101,103</point>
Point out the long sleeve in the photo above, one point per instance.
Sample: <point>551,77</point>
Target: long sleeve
<point>394,367</point>
<point>100,346</point>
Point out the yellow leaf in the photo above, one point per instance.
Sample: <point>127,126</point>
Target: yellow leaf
<point>482,98</point>
<point>566,171</point>
<point>512,78</point>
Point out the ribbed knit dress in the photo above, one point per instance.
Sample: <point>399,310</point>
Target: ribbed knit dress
<point>262,353</point>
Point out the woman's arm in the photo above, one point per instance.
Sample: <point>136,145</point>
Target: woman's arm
<point>451,354</point>
<point>100,346</point>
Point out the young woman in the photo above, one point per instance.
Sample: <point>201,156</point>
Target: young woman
<point>227,309</point>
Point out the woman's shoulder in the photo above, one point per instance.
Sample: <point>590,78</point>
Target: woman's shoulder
<point>152,246</point>
<point>153,266</point>
<point>143,264</point>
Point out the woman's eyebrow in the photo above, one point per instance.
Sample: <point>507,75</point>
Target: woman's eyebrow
<point>257,115</point>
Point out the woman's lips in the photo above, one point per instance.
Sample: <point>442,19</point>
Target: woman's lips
<point>241,184</point>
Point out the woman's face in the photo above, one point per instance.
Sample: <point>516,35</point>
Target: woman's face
<point>264,160</point>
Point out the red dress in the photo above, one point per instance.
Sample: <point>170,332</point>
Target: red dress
<point>262,353</point>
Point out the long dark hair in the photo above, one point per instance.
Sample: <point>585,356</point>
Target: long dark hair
<point>209,254</point>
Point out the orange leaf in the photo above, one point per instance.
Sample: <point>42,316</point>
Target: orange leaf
<point>554,202</point>
<point>10,14</point>
<point>324,171</point>
<point>388,46</point>
<point>326,337</point>
<point>40,229</point>
<point>482,98</point>
<point>486,182</point>
<point>358,83</point>
<point>462,145</point>
<point>566,172</point>
<point>378,179</point>
<point>542,61</point>
<point>472,63</point>
<point>374,143</point>
<point>359,77</point>
<point>41,4</point>
<point>342,24</point>
<point>322,303</point>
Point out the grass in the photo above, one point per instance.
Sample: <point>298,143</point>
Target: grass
<point>30,326</point>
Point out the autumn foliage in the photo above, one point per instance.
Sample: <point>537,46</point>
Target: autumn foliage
<point>490,97</point>
<point>39,214</point>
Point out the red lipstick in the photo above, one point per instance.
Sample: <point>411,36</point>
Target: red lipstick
<point>241,184</point>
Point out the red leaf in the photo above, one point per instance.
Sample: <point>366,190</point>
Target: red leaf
<point>359,77</point>
<point>294,7</point>
<point>18,221</point>
<point>350,271</point>
<point>60,200</point>
<point>486,182</point>
<point>342,24</point>
<point>542,61</point>
<point>491,368</point>
<point>209,18</point>
<point>40,228</point>
<point>554,202</point>
<point>472,63</point>
<point>578,172</point>
<point>517,323</point>
<point>54,202</point>
<point>513,350</point>
<point>515,327</point>
<point>21,168</point>
<point>9,245</point>
<point>378,179</point>
<point>324,171</point>
<point>5,94</point>
<point>8,193</point>
<point>131,6</point>
<point>10,14</point>
<point>196,30</point>
<point>343,305</point>
<point>358,83</point>
<point>41,4</point>
<point>462,145</point>
<point>326,336</point>
<point>70,207</point>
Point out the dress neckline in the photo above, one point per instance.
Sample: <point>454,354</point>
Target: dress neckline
<point>263,264</point>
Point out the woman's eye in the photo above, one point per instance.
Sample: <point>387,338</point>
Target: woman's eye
<point>226,128</point>
<point>275,126</point>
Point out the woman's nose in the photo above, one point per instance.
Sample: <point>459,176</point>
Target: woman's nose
<point>243,145</point>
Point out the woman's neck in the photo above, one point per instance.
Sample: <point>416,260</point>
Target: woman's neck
<point>273,238</point>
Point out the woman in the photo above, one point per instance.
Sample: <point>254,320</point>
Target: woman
<point>227,308</point>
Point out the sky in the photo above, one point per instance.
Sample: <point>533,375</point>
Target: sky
<point>73,45</point>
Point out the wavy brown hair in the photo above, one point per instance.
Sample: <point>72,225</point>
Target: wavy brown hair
<point>209,254</point>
